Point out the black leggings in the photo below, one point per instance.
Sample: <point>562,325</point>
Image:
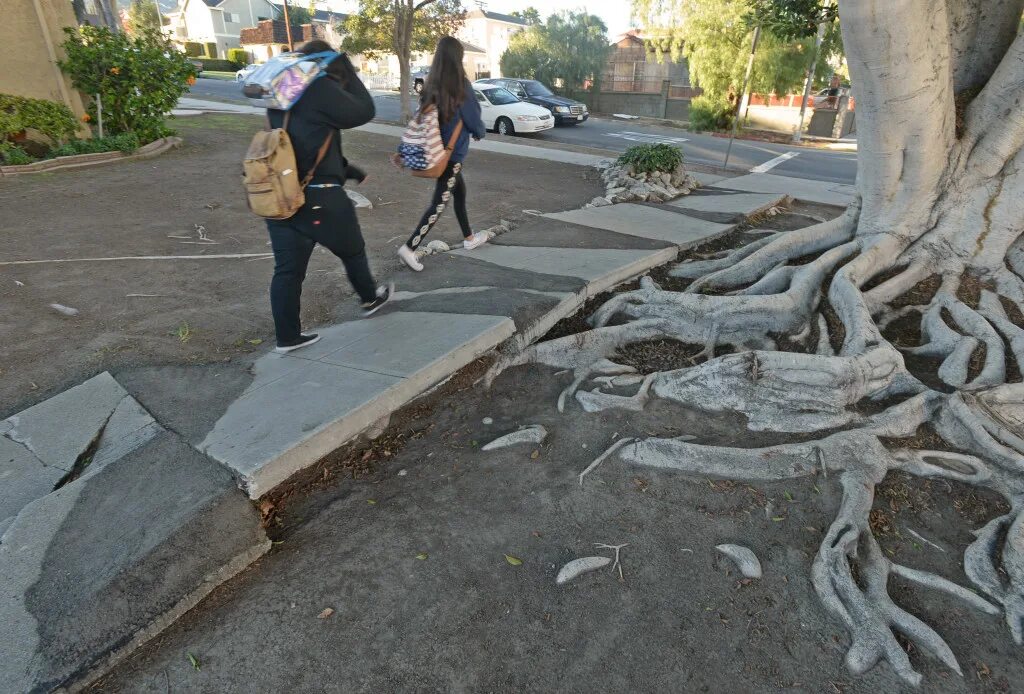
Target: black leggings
<point>448,185</point>
<point>328,218</point>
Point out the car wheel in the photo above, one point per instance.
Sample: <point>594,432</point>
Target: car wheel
<point>504,126</point>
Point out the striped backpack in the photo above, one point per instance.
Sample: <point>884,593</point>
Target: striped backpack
<point>421,149</point>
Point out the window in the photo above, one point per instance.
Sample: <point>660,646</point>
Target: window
<point>479,96</point>
<point>232,18</point>
<point>500,97</point>
<point>534,88</point>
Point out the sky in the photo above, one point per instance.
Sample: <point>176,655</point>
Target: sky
<point>615,13</point>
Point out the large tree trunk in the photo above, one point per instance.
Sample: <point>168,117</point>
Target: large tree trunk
<point>941,192</point>
<point>404,17</point>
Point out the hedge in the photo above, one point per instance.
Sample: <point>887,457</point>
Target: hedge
<point>211,50</point>
<point>53,120</point>
<point>216,65</point>
<point>238,55</point>
<point>193,49</point>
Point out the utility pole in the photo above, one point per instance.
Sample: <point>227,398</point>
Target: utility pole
<point>288,26</point>
<point>798,135</point>
<point>743,95</point>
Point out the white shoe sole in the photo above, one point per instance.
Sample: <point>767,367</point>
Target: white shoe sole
<point>470,245</point>
<point>285,350</point>
<point>391,292</point>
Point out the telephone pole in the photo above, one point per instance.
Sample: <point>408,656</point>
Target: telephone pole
<point>288,26</point>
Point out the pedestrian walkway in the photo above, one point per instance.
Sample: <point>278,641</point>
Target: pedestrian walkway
<point>118,512</point>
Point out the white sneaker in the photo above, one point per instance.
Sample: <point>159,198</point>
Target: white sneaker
<point>474,241</point>
<point>408,257</point>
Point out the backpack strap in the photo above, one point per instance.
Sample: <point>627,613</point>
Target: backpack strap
<point>319,158</point>
<point>455,136</point>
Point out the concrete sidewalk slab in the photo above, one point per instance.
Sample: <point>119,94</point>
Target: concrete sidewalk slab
<point>599,265</point>
<point>93,570</point>
<point>645,221</point>
<point>823,192</point>
<point>301,407</point>
<point>550,232</point>
<point>720,201</point>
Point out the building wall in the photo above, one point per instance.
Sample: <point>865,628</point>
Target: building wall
<point>32,31</point>
<point>491,35</point>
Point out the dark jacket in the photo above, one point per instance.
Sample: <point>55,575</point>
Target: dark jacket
<point>472,125</point>
<point>324,108</point>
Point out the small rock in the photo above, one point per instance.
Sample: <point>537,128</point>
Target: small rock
<point>600,202</point>
<point>326,613</point>
<point>745,560</point>
<point>534,433</point>
<point>403,473</point>
<point>438,246</point>
<point>359,200</point>
<point>488,421</point>
<point>66,310</point>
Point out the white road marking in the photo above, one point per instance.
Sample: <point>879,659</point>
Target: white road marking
<point>772,163</point>
<point>652,138</point>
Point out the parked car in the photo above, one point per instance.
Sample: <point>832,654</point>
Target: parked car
<point>565,111</point>
<point>505,114</point>
<point>419,78</point>
<point>245,72</point>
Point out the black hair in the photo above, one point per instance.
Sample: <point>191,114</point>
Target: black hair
<point>446,83</point>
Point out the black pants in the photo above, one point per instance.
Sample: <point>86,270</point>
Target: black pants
<point>448,185</point>
<point>328,218</point>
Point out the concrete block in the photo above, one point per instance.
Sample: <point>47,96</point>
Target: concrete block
<point>646,222</point>
<point>91,571</point>
<point>587,264</point>
<point>23,477</point>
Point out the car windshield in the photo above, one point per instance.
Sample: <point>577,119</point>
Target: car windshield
<point>499,96</point>
<point>537,89</point>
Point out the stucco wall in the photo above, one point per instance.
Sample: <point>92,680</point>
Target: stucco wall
<point>31,32</point>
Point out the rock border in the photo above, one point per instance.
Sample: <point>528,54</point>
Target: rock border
<point>80,161</point>
<point>624,184</point>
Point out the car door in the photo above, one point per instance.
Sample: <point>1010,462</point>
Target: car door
<point>487,114</point>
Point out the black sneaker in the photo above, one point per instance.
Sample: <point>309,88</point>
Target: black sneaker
<point>303,341</point>
<point>383,296</point>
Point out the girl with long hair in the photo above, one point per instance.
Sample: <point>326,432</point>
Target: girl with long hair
<point>448,90</point>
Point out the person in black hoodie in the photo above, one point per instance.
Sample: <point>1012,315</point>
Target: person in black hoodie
<point>335,102</point>
<point>450,92</point>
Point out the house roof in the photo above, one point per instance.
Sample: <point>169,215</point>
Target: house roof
<point>497,16</point>
<point>213,3</point>
<point>470,48</point>
<point>325,16</point>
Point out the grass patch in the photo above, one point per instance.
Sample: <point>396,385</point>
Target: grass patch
<point>217,75</point>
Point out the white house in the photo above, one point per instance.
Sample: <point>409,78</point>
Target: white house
<point>488,33</point>
<point>217,21</point>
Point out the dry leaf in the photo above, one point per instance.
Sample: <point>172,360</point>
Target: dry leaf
<point>514,561</point>
<point>371,502</point>
<point>535,455</point>
<point>421,556</point>
<point>194,661</point>
<point>326,613</point>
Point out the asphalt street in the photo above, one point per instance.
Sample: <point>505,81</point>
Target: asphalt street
<point>617,135</point>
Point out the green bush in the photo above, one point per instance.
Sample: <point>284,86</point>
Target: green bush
<point>239,56</point>
<point>707,113</point>
<point>13,155</point>
<point>139,78</point>
<point>210,64</point>
<point>125,142</point>
<point>53,120</point>
<point>651,158</point>
<point>193,49</point>
<point>211,50</point>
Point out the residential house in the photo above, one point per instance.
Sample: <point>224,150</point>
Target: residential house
<point>486,36</point>
<point>217,22</point>
<point>269,38</point>
<point>631,67</point>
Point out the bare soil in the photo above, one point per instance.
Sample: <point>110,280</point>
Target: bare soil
<point>140,312</point>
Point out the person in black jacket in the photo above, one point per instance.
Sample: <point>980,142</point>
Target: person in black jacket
<point>331,103</point>
<point>450,92</point>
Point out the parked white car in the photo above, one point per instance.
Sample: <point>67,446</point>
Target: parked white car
<point>245,72</point>
<point>507,115</point>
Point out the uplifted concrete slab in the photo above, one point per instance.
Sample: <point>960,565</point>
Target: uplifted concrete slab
<point>523,307</point>
<point>600,268</point>
<point>549,232</point>
<point>718,201</point>
<point>646,222</point>
<point>824,192</point>
<point>301,407</point>
<point>23,477</point>
<point>90,571</point>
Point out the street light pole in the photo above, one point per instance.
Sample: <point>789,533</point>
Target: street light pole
<point>288,26</point>
<point>798,135</point>
<point>743,94</point>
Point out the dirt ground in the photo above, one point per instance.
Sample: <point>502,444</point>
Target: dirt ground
<point>420,563</point>
<point>140,312</point>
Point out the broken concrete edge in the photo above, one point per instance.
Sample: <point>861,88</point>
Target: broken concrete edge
<point>334,435</point>
<point>81,161</point>
<point>160,623</point>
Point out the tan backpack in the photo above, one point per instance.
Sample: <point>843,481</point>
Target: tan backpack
<point>271,176</point>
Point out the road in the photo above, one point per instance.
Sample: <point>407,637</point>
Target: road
<point>617,135</point>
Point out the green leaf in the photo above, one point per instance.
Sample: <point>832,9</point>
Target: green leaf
<point>514,561</point>
<point>371,502</point>
<point>779,518</point>
<point>422,556</point>
<point>789,497</point>
<point>194,661</point>
<point>256,342</point>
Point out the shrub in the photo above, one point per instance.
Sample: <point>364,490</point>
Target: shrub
<point>238,56</point>
<point>193,49</point>
<point>707,113</point>
<point>12,155</point>
<point>211,50</point>
<point>651,158</point>
<point>218,65</point>
<point>126,142</point>
<point>48,117</point>
<point>139,78</point>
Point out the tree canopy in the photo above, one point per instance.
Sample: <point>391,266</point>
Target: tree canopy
<point>142,15</point>
<point>571,46</point>
<point>715,38</point>
<point>372,30</point>
<point>531,15</point>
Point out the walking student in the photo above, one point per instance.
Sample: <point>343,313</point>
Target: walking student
<point>331,103</point>
<point>448,90</point>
